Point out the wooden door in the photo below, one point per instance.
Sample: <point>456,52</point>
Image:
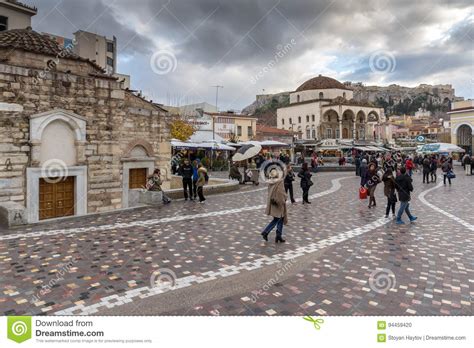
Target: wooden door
<point>137,178</point>
<point>56,199</point>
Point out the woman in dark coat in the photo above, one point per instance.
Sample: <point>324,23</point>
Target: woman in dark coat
<point>371,181</point>
<point>306,182</point>
<point>389,191</point>
<point>363,172</point>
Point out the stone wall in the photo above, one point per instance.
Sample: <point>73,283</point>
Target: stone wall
<point>116,120</point>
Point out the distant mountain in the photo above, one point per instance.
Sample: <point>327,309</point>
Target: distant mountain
<point>265,107</point>
<point>395,99</point>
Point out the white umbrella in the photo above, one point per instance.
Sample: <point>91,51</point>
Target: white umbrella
<point>247,151</point>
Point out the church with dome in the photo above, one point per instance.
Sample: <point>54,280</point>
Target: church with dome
<point>73,141</point>
<point>324,108</point>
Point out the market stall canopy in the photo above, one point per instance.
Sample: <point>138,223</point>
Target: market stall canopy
<point>201,136</point>
<point>273,143</point>
<point>441,148</point>
<point>205,145</point>
<point>248,150</point>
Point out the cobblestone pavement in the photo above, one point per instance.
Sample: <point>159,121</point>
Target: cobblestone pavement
<point>341,258</point>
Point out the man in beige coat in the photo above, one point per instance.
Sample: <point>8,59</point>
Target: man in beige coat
<point>276,206</point>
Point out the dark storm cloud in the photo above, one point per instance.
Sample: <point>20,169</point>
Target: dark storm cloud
<point>67,16</point>
<point>226,41</point>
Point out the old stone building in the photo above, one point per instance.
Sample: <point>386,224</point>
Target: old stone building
<point>72,141</point>
<point>323,108</point>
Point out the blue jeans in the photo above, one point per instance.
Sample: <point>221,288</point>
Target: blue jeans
<point>404,207</point>
<point>279,224</point>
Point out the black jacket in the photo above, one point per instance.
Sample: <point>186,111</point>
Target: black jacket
<point>426,165</point>
<point>305,178</point>
<point>186,171</point>
<point>289,178</point>
<point>404,187</point>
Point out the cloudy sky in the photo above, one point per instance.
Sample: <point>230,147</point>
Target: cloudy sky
<point>175,50</point>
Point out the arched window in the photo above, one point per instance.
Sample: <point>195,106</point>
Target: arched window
<point>283,121</point>
<point>337,133</point>
<point>299,119</point>
<point>329,133</point>
<point>312,118</point>
<point>298,98</point>
<point>308,133</point>
<point>291,122</point>
<point>321,95</point>
<point>307,118</point>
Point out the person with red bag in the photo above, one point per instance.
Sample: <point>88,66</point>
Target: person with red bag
<point>371,181</point>
<point>409,166</point>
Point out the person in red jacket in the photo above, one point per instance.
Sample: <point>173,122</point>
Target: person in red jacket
<point>409,165</point>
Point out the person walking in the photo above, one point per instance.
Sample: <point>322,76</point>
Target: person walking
<point>154,184</point>
<point>447,169</point>
<point>276,207</point>
<point>372,179</point>
<point>289,178</point>
<point>363,172</point>
<point>467,161</point>
<point>404,187</point>
<point>409,165</point>
<point>389,191</point>
<point>426,169</point>
<point>433,169</point>
<point>195,179</point>
<point>306,183</point>
<point>201,181</point>
<point>186,172</point>
<point>357,165</point>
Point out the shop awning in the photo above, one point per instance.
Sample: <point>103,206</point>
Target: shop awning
<point>205,145</point>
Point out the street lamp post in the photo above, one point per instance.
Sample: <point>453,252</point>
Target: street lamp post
<point>217,108</point>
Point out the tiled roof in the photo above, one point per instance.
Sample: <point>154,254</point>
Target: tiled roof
<point>321,82</point>
<point>20,4</point>
<point>272,130</point>
<point>32,41</point>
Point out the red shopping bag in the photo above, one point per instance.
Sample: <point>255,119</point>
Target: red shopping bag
<point>363,193</point>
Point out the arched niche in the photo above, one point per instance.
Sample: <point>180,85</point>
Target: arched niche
<point>57,134</point>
